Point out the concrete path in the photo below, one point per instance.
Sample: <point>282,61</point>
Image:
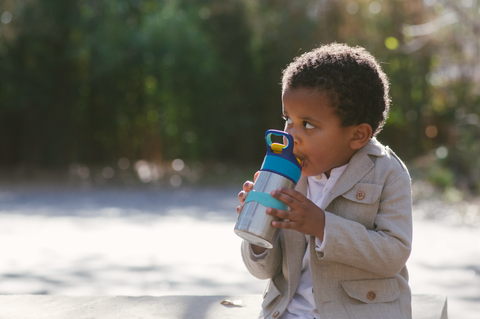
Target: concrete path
<point>106,241</point>
<point>165,307</point>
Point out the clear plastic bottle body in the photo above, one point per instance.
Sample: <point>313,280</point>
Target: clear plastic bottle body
<point>254,224</point>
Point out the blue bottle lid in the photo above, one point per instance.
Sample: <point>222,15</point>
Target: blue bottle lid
<point>280,158</point>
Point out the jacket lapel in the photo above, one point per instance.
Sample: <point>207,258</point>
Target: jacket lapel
<point>302,185</point>
<point>359,166</point>
<point>295,245</point>
<point>295,242</point>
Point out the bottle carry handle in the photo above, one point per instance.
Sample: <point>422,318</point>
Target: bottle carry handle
<point>276,148</point>
<point>280,157</point>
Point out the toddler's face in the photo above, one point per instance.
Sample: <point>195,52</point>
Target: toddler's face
<point>321,142</point>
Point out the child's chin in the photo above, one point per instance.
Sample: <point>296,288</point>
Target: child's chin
<point>308,173</point>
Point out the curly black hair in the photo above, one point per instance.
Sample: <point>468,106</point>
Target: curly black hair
<point>353,79</point>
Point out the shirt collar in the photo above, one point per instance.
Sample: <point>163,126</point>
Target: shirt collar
<point>334,175</point>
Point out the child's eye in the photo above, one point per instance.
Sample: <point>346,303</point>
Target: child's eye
<point>288,121</point>
<point>308,126</point>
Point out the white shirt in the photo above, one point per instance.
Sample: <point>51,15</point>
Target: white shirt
<point>303,303</point>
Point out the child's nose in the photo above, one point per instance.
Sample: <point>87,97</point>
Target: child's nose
<point>295,136</point>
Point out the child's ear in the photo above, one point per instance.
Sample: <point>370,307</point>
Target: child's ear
<point>361,135</point>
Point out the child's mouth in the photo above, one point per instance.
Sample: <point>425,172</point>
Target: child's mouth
<point>301,160</point>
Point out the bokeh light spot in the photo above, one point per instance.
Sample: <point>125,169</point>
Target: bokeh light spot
<point>178,164</point>
<point>472,119</point>
<point>352,7</point>
<point>123,163</point>
<point>375,7</point>
<point>438,8</point>
<point>391,43</point>
<point>108,172</point>
<point>189,137</point>
<point>431,131</point>
<point>150,82</point>
<point>175,180</point>
<point>441,152</point>
<point>83,172</point>
<point>143,171</point>
<point>6,17</point>
<point>204,13</point>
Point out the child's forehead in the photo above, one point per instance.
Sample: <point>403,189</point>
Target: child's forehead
<point>308,104</point>
<point>306,95</point>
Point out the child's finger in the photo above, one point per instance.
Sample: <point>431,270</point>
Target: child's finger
<point>239,209</point>
<point>280,213</point>
<point>285,198</point>
<point>285,224</point>
<point>242,196</point>
<point>292,193</point>
<point>247,186</point>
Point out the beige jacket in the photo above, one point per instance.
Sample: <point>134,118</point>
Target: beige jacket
<point>368,221</point>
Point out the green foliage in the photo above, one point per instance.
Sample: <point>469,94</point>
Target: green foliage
<point>440,176</point>
<point>91,81</point>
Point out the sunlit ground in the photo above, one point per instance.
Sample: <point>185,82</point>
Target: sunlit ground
<point>146,241</point>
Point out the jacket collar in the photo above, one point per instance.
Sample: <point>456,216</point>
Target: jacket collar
<point>374,147</point>
<point>359,166</point>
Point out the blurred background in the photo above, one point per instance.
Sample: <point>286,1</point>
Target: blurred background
<point>122,108</point>
<point>91,87</point>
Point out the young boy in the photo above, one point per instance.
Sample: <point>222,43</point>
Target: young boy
<point>345,240</point>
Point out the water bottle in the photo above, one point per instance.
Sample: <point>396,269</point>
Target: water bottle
<point>280,168</point>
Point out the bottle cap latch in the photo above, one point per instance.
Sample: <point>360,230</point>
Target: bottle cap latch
<point>277,148</point>
<point>280,158</point>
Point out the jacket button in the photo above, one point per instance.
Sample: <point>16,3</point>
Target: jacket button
<point>275,315</point>
<point>371,295</point>
<point>360,195</point>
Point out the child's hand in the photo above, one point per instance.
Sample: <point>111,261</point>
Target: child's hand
<point>303,216</point>
<point>247,186</point>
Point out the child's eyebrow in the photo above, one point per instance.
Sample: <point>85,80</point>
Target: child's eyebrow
<point>310,119</point>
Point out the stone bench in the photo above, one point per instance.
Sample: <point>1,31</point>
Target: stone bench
<point>164,307</point>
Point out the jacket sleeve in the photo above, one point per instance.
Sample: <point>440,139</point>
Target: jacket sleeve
<point>265,266</point>
<point>383,249</point>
